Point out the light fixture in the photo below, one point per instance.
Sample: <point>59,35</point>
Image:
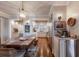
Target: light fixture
<point>22,11</point>
<point>12,22</point>
<point>22,14</point>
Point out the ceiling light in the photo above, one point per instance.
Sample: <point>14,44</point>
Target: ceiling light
<point>22,15</point>
<point>22,12</point>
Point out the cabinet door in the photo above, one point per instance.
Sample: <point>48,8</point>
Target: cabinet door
<point>71,48</point>
<point>56,46</point>
<point>62,47</point>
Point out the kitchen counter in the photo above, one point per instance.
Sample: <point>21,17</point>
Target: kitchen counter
<point>66,47</point>
<point>66,38</point>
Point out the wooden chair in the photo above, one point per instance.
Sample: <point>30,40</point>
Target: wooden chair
<point>11,52</point>
<point>7,52</point>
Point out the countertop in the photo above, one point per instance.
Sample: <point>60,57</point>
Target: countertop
<point>65,38</point>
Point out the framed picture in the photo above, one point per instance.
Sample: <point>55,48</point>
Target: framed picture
<point>59,25</point>
<point>27,28</point>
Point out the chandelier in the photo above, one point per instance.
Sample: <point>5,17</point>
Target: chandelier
<point>22,14</point>
<point>22,11</point>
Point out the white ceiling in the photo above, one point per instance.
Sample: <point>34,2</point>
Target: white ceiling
<point>33,8</point>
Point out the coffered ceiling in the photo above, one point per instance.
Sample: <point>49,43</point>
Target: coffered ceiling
<point>32,8</point>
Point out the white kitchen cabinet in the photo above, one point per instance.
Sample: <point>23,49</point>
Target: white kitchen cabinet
<point>56,47</point>
<point>59,47</point>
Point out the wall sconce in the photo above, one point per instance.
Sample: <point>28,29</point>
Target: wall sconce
<point>12,22</point>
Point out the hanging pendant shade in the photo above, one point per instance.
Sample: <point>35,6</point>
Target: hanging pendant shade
<point>22,14</point>
<point>22,11</point>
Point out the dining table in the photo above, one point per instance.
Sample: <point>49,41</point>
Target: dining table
<point>19,43</point>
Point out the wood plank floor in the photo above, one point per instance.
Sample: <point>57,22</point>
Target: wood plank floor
<point>43,47</point>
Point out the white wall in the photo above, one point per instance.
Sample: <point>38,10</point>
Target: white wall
<point>12,26</point>
<point>59,11</point>
<point>73,11</point>
<point>70,10</point>
<point>56,11</point>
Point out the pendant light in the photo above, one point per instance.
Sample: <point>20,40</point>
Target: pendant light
<point>22,14</point>
<point>22,11</point>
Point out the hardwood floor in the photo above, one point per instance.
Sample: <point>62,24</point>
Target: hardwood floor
<point>43,47</point>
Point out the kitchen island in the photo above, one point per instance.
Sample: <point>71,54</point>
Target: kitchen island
<point>66,47</point>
